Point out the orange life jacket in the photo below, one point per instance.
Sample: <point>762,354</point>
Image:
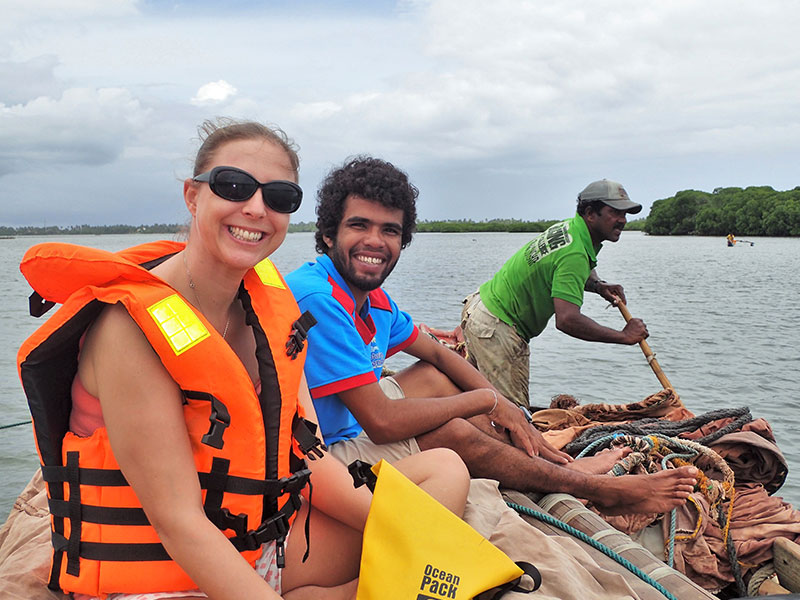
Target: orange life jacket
<point>247,447</point>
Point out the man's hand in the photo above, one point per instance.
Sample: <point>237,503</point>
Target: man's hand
<point>635,331</point>
<point>523,434</point>
<point>612,292</point>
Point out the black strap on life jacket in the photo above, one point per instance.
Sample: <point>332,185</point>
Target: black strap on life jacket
<point>294,345</point>
<point>216,482</point>
<point>38,305</point>
<point>219,418</point>
<point>305,433</point>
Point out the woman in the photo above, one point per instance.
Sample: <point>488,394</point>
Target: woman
<point>155,417</point>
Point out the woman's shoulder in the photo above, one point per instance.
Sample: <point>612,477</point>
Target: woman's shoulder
<point>114,345</point>
<point>114,325</point>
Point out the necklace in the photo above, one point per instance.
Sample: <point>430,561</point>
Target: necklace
<point>194,291</point>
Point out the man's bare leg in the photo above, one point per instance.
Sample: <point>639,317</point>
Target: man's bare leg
<point>491,458</point>
<point>424,380</point>
<point>599,464</point>
<point>487,454</point>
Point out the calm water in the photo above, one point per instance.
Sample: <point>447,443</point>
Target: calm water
<point>723,323</point>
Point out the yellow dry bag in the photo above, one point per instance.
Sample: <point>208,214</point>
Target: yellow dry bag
<point>416,549</point>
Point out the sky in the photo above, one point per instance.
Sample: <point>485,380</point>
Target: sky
<point>501,109</point>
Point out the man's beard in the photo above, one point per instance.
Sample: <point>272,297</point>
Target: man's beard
<point>346,270</point>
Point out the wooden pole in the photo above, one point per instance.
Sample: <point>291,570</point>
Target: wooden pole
<point>648,353</point>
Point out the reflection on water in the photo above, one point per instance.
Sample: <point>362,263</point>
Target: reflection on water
<point>722,322</point>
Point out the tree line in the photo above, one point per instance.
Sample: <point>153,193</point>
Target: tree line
<point>491,225</point>
<point>454,226</point>
<point>89,229</point>
<point>743,212</point>
<point>752,211</point>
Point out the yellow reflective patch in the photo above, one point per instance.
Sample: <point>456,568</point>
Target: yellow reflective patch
<point>180,325</point>
<point>268,274</point>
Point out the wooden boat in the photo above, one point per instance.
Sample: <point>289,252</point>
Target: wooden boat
<point>565,509</point>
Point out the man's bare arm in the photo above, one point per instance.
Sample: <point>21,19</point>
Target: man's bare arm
<point>387,420</point>
<point>571,321</point>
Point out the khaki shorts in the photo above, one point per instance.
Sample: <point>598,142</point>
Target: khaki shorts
<point>496,350</point>
<point>363,448</point>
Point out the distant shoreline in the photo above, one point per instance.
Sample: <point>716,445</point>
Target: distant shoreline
<point>449,226</point>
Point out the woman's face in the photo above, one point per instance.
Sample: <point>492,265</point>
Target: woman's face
<point>240,234</point>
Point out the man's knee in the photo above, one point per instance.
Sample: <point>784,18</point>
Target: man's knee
<point>423,380</point>
<point>454,434</point>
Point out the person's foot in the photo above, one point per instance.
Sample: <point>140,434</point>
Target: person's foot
<point>601,463</point>
<point>648,493</point>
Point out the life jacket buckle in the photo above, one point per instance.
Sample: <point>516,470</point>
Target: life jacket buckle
<point>223,519</point>
<point>362,474</point>
<point>294,485</point>
<point>299,333</point>
<point>274,528</point>
<point>305,433</point>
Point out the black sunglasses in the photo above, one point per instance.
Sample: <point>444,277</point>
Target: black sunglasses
<point>239,186</point>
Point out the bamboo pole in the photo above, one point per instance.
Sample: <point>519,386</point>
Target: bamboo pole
<point>648,353</point>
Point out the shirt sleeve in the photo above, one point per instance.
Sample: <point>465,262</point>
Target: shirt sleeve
<point>337,358</point>
<point>569,278</point>
<point>403,332</point>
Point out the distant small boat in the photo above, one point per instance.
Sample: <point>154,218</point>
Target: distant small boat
<point>732,241</point>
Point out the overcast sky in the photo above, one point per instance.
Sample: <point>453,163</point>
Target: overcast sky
<point>495,109</point>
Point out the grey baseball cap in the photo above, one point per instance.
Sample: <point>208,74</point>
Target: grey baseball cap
<point>611,193</point>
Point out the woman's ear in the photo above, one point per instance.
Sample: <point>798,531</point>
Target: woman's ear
<point>190,196</point>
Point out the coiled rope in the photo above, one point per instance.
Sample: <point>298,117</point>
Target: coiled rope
<point>550,520</point>
<point>651,425</point>
<point>683,452</point>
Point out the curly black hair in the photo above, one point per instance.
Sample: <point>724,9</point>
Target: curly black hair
<point>373,179</point>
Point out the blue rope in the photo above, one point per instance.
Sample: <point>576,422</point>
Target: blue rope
<point>600,442</point>
<point>549,519</point>
<point>669,442</point>
<point>673,514</point>
<point>688,452</point>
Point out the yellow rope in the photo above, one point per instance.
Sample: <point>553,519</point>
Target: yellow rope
<point>715,492</point>
<point>693,535</point>
<point>732,495</point>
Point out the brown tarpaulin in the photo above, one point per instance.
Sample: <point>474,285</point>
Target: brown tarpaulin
<point>757,518</point>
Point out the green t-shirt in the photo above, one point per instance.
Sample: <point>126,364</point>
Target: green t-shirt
<point>555,264</point>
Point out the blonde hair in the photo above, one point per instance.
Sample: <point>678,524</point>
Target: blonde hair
<point>218,132</point>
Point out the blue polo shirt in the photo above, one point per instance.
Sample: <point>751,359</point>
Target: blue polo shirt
<point>345,350</point>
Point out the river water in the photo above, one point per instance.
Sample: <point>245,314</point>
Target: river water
<point>723,323</point>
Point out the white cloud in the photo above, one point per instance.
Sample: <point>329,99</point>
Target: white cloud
<point>84,125</point>
<point>314,111</point>
<point>580,81</point>
<point>499,95</point>
<point>214,92</point>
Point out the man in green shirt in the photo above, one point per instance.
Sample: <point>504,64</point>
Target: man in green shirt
<point>545,277</point>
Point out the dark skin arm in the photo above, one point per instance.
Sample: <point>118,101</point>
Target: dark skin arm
<point>610,291</point>
<point>571,321</point>
<point>387,420</point>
